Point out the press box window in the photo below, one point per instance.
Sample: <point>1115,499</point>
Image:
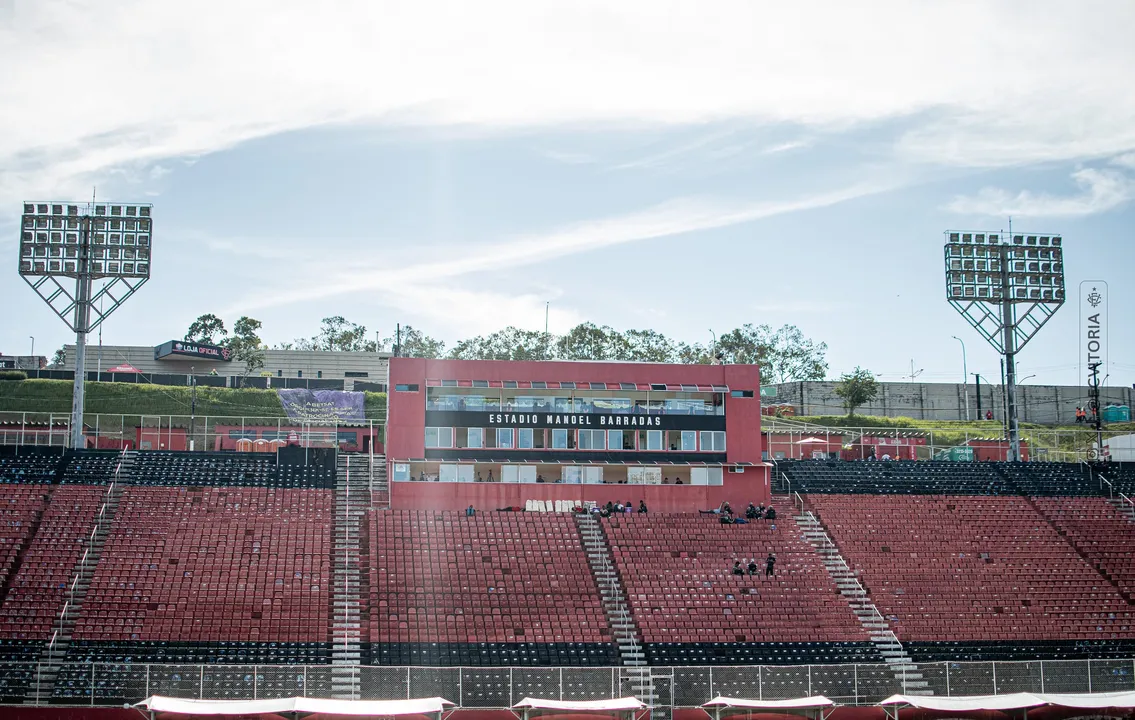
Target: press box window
<point>741,393</point>
<point>406,388</point>
<point>504,437</point>
<point>439,437</point>
<point>591,440</point>
<point>712,441</point>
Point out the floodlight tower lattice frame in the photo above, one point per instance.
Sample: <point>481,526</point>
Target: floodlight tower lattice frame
<point>84,242</point>
<point>1007,287</point>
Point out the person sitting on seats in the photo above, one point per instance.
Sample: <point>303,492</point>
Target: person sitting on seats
<point>470,511</point>
<point>737,569</point>
<point>642,506</point>
<point>609,507</point>
<point>726,517</point>
<point>751,512</point>
<point>628,508</point>
<point>753,569</point>
<point>769,562</point>
<point>618,508</point>
<point>604,511</point>
<point>770,514</point>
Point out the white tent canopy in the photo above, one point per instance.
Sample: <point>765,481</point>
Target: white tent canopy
<point>1012,701</point>
<point>528,706</point>
<point>295,705</point>
<point>814,706</point>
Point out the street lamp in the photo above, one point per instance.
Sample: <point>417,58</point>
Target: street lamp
<point>965,375</point>
<point>61,241</point>
<point>1007,287</point>
<point>1022,380</point>
<point>713,350</point>
<point>33,347</point>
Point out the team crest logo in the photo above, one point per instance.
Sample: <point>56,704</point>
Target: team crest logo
<point>1094,298</point>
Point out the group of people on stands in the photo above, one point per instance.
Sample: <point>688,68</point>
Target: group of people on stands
<point>617,508</point>
<point>753,569</point>
<point>753,512</point>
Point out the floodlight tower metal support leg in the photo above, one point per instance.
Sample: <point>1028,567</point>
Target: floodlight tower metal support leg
<point>1009,323</point>
<point>82,324</point>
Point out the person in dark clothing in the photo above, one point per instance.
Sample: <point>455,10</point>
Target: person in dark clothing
<point>609,507</point>
<point>726,518</point>
<point>770,514</point>
<point>751,512</point>
<point>726,507</point>
<point>642,506</point>
<point>470,511</point>
<point>737,569</point>
<point>753,569</point>
<point>604,512</point>
<point>770,561</point>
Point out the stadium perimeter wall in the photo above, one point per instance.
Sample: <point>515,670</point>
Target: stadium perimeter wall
<point>1043,404</point>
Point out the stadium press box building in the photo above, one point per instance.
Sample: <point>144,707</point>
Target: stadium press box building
<point>496,434</point>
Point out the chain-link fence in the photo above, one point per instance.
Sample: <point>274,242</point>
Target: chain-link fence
<point>114,684</point>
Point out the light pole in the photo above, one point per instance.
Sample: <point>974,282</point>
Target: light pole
<point>713,350</point>
<point>1007,286</point>
<point>33,347</point>
<point>193,408</point>
<point>1026,377</point>
<point>64,248</point>
<point>965,376</point>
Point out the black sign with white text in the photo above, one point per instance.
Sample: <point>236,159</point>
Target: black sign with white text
<point>182,349</point>
<point>583,421</point>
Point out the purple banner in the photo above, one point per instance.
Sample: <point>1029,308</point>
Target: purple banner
<point>323,405</point>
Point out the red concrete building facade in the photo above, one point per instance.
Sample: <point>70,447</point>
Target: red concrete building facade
<point>496,434</point>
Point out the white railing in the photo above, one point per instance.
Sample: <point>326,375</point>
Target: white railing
<point>113,684</point>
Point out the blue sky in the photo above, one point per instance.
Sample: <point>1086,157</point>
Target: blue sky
<point>677,166</point>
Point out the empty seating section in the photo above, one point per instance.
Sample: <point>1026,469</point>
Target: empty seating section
<point>20,507</point>
<point>497,582</point>
<point>39,589</point>
<point>1050,478</point>
<point>1121,475</point>
<point>894,477</point>
<point>1094,528</point>
<point>227,469</point>
<point>677,572</point>
<point>972,568</point>
<point>213,564</point>
<point>29,467</point>
<point>199,469</point>
<point>90,467</point>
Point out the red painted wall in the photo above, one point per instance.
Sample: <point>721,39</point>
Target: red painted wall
<point>406,418</point>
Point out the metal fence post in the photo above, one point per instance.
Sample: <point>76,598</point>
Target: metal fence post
<point>948,693</point>
<point>201,692</point>
<point>561,683</point>
<point>994,664</point>
<point>408,683</point>
<point>1089,674</point>
<point>855,681</point>
<point>147,680</point>
<point>1042,674</point>
<point>711,693</point>
<point>255,678</point>
<point>460,687</point>
<point>809,681</point>
<point>511,702</point>
<point>92,684</point>
<point>760,682</point>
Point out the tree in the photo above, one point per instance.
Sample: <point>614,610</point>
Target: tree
<point>586,341</point>
<point>337,334</point>
<point>59,359</point>
<point>857,388</point>
<point>649,346</point>
<point>246,345</point>
<point>695,354</point>
<point>783,356</point>
<point>206,330</point>
<point>510,343</point>
<point>415,344</point>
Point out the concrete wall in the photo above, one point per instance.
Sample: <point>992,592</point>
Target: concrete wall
<point>281,363</point>
<point>1045,404</point>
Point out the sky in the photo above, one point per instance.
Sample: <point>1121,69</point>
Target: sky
<point>685,167</point>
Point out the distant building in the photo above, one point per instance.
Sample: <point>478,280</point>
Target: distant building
<point>177,357</point>
<point>22,362</point>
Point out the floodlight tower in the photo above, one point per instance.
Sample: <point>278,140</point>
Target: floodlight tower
<point>84,242</point>
<point>1007,287</point>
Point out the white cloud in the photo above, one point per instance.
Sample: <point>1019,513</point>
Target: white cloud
<point>784,147</point>
<point>569,158</point>
<point>667,219</point>
<point>1127,160</point>
<point>1100,191</point>
<point>160,80</point>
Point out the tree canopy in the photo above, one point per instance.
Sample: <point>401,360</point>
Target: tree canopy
<point>857,388</point>
<point>783,355</point>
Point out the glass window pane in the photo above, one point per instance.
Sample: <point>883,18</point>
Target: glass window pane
<point>510,473</point>
<point>571,474</point>
<point>504,437</point>
<point>593,475</point>
<point>525,438</point>
<point>559,439</point>
<point>465,473</point>
<point>447,473</point>
<point>431,437</point>
<point>715,475</point>
<point>527,473</point>
<point>401,471</point>
<point>445,437</point>
<point>615,439</point>
<point>699,476</point>
<point>476,437</point>
<point>653,439</point>
<point>689,441</point>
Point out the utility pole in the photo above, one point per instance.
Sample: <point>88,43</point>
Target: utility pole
<point>192,408</point>
<point>965,377</point>
<point>977,387</point>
